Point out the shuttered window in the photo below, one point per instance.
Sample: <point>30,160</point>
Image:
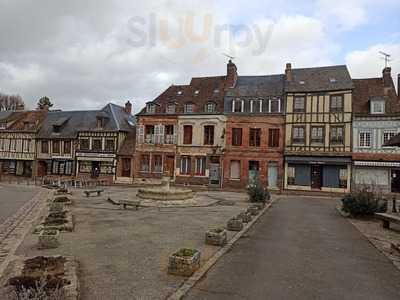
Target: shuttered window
<point>237,136</point>
<point>187,134</point>
<point>209,135</point>
<point>235,169</point>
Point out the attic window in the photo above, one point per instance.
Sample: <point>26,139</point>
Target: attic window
<point>196,92</point>
<point>171,108</point>
<point>56,128</point>
<point>301,82</point>
<point>179,93</point>
<point>3,125</point>
<point>29,125</point>
<point>210,107</point>
<point>100,122</point>
<point>150,108</point>
<point>377,107</point>
<point>332,80</point>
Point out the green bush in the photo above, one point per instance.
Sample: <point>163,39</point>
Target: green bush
<point>257,193</point>
<point>363,203</point>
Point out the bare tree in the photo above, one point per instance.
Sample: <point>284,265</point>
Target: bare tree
<point>11,102</point>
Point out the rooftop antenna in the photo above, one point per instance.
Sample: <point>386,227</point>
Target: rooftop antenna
<point>228,56</point>
<point>386,57</point>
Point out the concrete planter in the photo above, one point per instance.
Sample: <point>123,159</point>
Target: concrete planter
<point>253,210</point>
<point>48,239</point>
<point>184,262</point>
<point>260,205</point>
<point>245,217</point>
<point>56,206</point>
<point>235,224</point>
<point>62,199</point>
<point>216,237</point>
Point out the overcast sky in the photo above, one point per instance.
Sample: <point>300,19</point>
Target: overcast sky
<point>83,54</point>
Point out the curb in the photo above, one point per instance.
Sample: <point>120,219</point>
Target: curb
<point>199,274</point>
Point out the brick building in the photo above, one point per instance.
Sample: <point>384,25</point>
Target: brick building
<point>376,120</point>
<point>254,131</point>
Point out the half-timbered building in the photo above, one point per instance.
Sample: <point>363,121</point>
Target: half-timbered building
<point>254,108</point>
<point>18,142</point>
<point>376,120</point>
<point>318,128</point>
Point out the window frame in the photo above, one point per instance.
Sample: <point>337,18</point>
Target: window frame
<point>53,148</point>
<point>255,137</point>
<point>66,149</point>
<point>234,141</point>
<point>297,140</point>
<point>155,161</point>
<point>84,140</point>
<point>260,105</point>
<point>209,105</point>
<point>373,111</point>
<point>203,166</point>
<point>186,139</point>
<point>333,108</point>
<point>296,110</point>
<point>42,143</point>
<point>187,170</point>
<point>230,169</point>
<point>336,141</point>
<point>168,109</point>
<point>107,148</point>
<point>360,139</point>
<point>392,133</point>
<point>208,135</point>
<point>234,106</point>
<point>142,161</point>
<point>270,105</point>
<point>272,143</point>
<point>317,141</point>
<point>93,143</point>
<point>186,106</point>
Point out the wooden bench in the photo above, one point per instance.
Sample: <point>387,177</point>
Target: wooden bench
<point>387,219</point>
<point>89,192</point>
<point>133,203</point>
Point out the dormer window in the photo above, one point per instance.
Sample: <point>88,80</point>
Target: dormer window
<point>210,107</point>
<point>237,105</point>
<point>171,108</point>
<point>150,108</point>
<point>378,107</point>
<point>56,128</point>
<point>275,105</point>
<point>29,125</point>
<point>188,108</point>
<point>100,122</point>
<point>179,93</point>
<point>256,106</point>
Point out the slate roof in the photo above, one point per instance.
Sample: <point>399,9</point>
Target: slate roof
<point>372,88</point>
<point>73,122</point>
<point>206,87</point>
<point>259,86</point>
<point>331,78</point>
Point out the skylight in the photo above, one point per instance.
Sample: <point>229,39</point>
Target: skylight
<point>332,80</point>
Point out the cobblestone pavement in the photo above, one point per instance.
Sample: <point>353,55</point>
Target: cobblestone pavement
<point>17,225</point>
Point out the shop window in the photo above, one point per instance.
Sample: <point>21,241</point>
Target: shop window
<point>291,175</point>
<point>208,135</point>
<point>185,165</point>
<point>62,168</point>
<point>84,144</point>
<point>145,163</point>
<point>237,136</point>
<point>187,134</point>
<point>56,147</point>
<point>107,168</point>
<point>298,136</point>
<point>96,144</point>
<point>110,145</point>
<point>255,137</point>
<point>235,170</point>
<point>200,166</point>
<point>157,163</point>
<point>273,137</point>
<point>317,134</point>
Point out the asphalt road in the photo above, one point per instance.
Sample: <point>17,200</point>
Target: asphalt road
<point>12,198</point>
<point>301,249</point>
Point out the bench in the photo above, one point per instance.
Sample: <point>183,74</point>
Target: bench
<point>133,203</point>
<point>89,192</point>
<point>387,219</point>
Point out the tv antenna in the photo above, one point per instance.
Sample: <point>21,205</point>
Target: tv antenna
<point>228,56</point>
<point>386,57</point>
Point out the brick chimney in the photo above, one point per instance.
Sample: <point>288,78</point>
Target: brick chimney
<point>231,74</point>
<point>387,77</point>
<point>128,108</point>
<point>288,72</point>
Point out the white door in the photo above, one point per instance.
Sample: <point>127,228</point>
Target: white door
<point>272,176</point>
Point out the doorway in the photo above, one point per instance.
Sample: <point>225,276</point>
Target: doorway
<point>95,169</point>
<point>396,181</point>
<point>126,167</point>
<point>316,177</point>
<point>170,166</point>
<point>254,171</point>
<point>272,175</point>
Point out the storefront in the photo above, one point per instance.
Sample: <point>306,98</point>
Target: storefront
<point>96,165</point>
<point>17,167</point>
<point>327,174</point>
<point>381,176</point>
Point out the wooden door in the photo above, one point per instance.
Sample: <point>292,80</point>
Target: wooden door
<point>316,177</point>
<point>170,166</point>
<point>126,167</point>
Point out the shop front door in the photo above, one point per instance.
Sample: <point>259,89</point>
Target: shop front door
<point>396,181</point>
<point>316,177</point>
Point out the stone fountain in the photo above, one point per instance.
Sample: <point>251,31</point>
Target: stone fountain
<point>165,192</point>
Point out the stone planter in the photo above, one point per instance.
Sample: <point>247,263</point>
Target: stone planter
<point>62,199</point>
<point>216,237</point>
<point>260,205</point>
<point>48,239</point>
<point>253,210</point>
<point>235,224</point>
<point>245,217</point>
<point>56,206</point>
<point>184,262</point>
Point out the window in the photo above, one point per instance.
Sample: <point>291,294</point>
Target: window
<point>343,178</point>
<point>84,144</point>
<point>299,104</point>
<point>200,166</point>
<point>100,122</point>
<point>179,93</point>
<point>169,134</point>
<point>275,105</point>
<point>145,163</point>
<point>273,137</point>
<point>185,165</point>
<point>255,137</point>
<point>56,147</point>
<point>13,145</point>
<point>96,144</point>
<point>210,107</point>
<point>187,134</point>
<point>45,147</point>
<point>56,128</point>
<point>157,163</point>
<point>377,107</point>
<point>317,134</point>
<point>336,103</point>
<point>188,108</point>
<point>150,108</point>
<point>365,139</point>
<point>110,145</point>
<point>298,136</point>
<point>235,170</point>
<point>237,105</point>
<point>25,145</point>
<point>170,108</point>
<point>237,136</point>
<point>208,135</point>
<point>337,133</point>
<point>291,175</point>
<point>256,105</point>
<point>61,167</point>
<point>67,147</point>
<point>149,130</point>
<point>3,125</point>
<point>387,135</point>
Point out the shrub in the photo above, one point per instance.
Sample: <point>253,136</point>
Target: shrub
<point>363,203</point>
<point>257,193</point>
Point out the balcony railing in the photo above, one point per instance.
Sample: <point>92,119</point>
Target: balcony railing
<point>168,139</point>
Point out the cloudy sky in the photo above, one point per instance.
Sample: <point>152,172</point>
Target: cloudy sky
<point>83,54</point>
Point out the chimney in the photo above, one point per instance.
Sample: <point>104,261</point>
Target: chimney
<point>387,77</point>
<point>398,86</point>
<point>128,108</point>
<point>288,72</point>
<point>231,74</point>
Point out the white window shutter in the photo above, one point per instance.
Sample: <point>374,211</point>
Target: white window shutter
<point>233,105</point>
<point>140,134</point>
<point>161,134</point>
<point>242,108</point>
